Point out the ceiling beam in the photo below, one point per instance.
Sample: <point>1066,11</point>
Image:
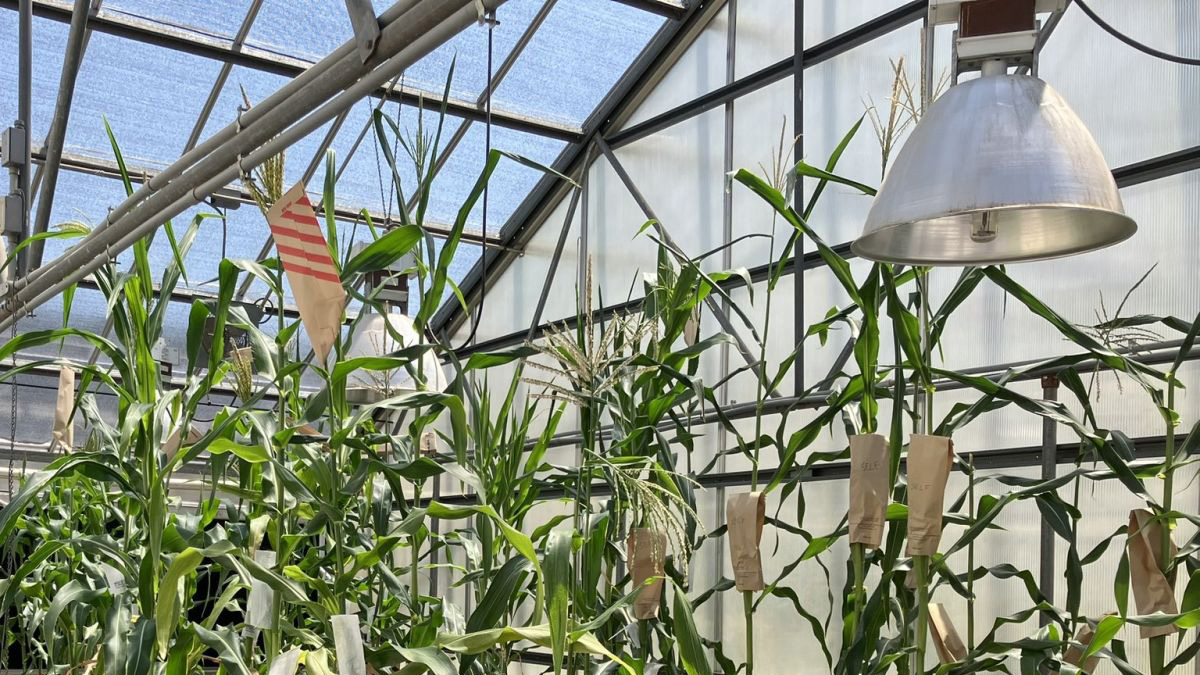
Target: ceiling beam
<point>105,169</point>
<point>672,9</point>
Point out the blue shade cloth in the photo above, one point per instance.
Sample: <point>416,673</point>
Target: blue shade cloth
<point>575,58</point>
<point>216,18</point>
<point>151,96</point>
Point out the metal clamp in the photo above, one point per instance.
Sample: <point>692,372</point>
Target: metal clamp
<point>366,26</point>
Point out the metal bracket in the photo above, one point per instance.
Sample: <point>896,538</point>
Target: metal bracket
<point>1015,49</point>
<point>12,210</point>
<point>12,152</point>
<point>948,11</point>
<point>366,26</point>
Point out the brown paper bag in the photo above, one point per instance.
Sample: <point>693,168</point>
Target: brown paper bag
<point>63,435</point>
<point>929,461</point>
<point>646,550</point>
<point>175,441</point>
<point>745,514</point>
<point>1074,654</point>
<point>310,271</point>
<point>1152,590</point>
<point>868,488</point>
<point>950,647</point>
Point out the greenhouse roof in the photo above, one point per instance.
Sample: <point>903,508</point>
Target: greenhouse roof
<point>166,75</point>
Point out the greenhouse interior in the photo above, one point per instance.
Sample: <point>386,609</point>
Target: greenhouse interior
<point>613,337</point>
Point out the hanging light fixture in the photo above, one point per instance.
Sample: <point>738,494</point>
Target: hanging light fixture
<point>999,169</point>
<point>379,334</point>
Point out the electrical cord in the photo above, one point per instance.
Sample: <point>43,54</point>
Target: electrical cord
<point>1141,47</point>
<point>490,18</point>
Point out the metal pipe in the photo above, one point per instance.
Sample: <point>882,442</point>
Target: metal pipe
<point>432,25</point>
<point>24,117</point>
<point>1046,571</point>
<point>219,84</point>
<point>58,126</point>
<point>87,38</point>
<point>798,326</point>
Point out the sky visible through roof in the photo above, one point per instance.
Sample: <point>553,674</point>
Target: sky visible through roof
<point>151,96</point>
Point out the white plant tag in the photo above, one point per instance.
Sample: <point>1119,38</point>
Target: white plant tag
<point>114,578</point>
<point>262,596</point>
<point>286,663</point>
<point>347,642</point>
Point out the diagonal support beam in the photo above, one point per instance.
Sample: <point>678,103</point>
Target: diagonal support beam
<point>239,41</point>
<point>647,70</point>
<point>716,309</point>
<point>72,58</point>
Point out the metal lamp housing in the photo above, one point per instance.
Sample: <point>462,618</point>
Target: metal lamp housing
<point>371,337</point>
<point>1000,169</point>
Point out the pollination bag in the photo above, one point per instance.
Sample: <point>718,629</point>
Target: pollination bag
<point>929,462</point>
<point>347,643</point>
<point>1074,654</point>
<point>745,514</point>
<point>868,488</point>
<point>949,645</point>
<point>646,551</point>
<point>1152,590</point>
<point>262,596</point>
<point>63,435</point>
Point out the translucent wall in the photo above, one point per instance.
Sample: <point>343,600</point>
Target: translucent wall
<point>1137,107</point>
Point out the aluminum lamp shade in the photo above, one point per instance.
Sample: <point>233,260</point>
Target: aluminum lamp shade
<point>371,338</point>
<point>1000,169</point>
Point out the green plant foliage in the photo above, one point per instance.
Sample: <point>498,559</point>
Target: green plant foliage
<point>224,517</point>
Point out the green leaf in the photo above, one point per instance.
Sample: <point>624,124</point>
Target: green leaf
<point>226,644</point>
<point>255,454</point>
<point>70,593</point>
<point>168,594</point>
<point>384,251</point>
<point>1106,630</point>
<point>1121,584</point>
<point>557,566</point>
<point>140,653</point>
<point>691,649</point>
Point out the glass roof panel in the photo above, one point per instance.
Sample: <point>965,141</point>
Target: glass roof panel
<point>575,58</point>
<point>215,18</point>
<point>310,29</point>
<point>150,96</point>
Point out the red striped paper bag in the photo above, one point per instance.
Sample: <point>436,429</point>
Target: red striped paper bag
<point>310,271</point>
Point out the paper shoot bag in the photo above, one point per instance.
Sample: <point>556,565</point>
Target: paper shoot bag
<point>868,488</point>
<point>745,514</point>
<point>1152,590</point>
<point>646,551</point>
<point>929,461</point>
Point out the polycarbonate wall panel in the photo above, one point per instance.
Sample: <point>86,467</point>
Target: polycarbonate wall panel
<point>700,69</point>
<point>992,327</point>
<point>512,300</point>
<point>1136,106</point>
